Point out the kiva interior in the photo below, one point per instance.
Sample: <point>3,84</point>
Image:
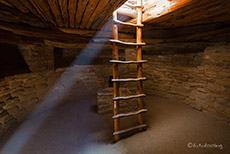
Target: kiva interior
<point>114,76</point>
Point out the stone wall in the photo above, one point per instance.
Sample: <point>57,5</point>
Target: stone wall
<point>105,102</point>
<point>38,58</point>
<point>20,94</point>
<point>29,94</point>
<point>200,79</point>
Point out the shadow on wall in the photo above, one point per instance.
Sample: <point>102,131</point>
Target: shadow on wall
<point>11,61</point>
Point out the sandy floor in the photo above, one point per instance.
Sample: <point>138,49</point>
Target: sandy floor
<point>76,128</point>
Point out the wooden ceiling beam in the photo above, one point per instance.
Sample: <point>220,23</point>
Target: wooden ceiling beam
<point>80,11</point>
<point>64,11</point>
<point>115,6</point>
<point>43,5</point>
<point>10,38</point>
<point>19,5</point>
<point>9,14</point>
<point>37,8</point>
<point>53,4</point>
<point>193,12</point>
<point>210,12</point>
<point>58,33</point>
<point>83,14</point>
<point>72,5</point>
<point>100,8</point>
<point>102,16</point>
<point>88,12</point>
<point>28,31</point>
<point>6,3</point>
<point>86,33</point>
<point>29,6</point>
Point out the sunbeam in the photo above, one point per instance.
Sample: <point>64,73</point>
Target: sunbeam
<point>23,134</point>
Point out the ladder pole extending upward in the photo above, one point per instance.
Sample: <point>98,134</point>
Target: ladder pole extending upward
<point>139,57</point>
<point>115,76</point>
<point>115,60</point>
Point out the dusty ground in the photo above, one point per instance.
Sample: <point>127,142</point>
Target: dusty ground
<point>75,128</point>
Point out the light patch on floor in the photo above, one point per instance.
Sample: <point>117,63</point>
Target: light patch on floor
<point>73,128</point>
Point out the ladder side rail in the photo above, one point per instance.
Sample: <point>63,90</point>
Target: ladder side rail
<point>115,76</point>
<point>139,57</point>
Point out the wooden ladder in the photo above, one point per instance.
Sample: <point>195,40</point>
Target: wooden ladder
<point>116,115</point>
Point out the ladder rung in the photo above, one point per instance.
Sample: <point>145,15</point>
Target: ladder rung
<point>128,97</point>
<point>134,6</point>
<point>126,43</point>
<point>129,129</point>
<point>129,114</point>
<point>128,62</point>
<point>127,24</point>
<point>130,79</point>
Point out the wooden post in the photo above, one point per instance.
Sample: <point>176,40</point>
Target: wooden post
<point>139,57</point>
<point>115,76</point>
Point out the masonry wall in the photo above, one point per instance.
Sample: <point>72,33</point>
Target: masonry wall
<point>199,79</point>
<point>38,58</point>
<point>53,80</point>
<point>20,94</point>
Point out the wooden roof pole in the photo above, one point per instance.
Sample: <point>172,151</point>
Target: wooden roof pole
<point>139,57</point>
<point>115,76</point>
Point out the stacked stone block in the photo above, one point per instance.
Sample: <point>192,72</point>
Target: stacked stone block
<point>21,94</point>
<point>199,79</point>
<point>105,102</point>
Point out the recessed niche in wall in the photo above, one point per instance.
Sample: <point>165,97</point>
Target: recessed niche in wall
<point>11,61</point>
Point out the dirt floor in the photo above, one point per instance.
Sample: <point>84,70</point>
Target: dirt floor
<point>76,128</point>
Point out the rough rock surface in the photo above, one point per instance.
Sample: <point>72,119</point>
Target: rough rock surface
<point>200,79</point>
